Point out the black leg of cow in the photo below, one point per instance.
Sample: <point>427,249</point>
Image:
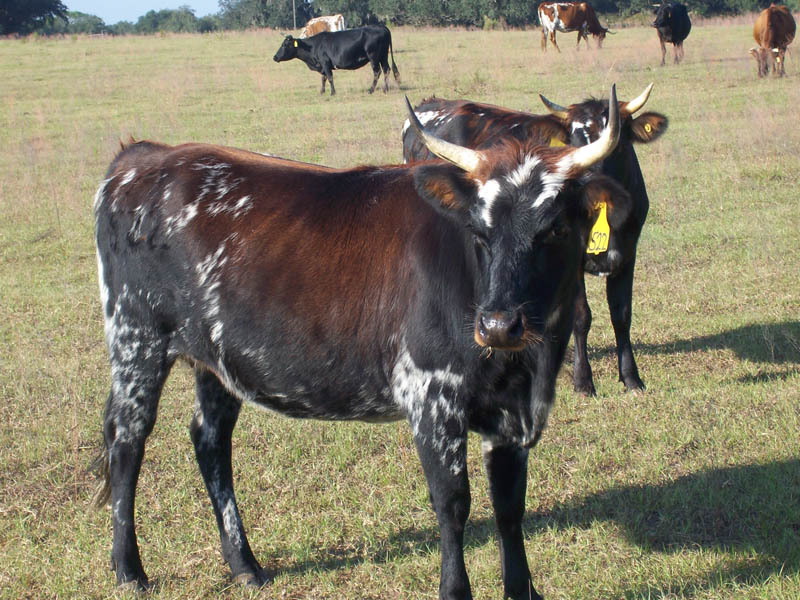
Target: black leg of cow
<point>139,367</point>
<point>663,51</point>
<point>506,468</point>
<point>376,73</point>
<point>442,448</point>
<point>619,291</point>
<point>216,412</point>
<point>322,89</point>
<point>582,370</point>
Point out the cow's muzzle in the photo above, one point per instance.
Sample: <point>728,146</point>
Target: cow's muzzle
<point>501,330</point>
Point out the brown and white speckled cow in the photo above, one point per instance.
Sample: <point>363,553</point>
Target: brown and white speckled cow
<point>440,293</point>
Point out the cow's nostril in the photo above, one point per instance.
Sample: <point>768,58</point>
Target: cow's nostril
<point>516,328</point>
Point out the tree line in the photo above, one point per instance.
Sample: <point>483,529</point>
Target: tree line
<point>51,17</point>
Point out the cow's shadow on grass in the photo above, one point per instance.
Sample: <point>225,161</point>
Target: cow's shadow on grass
<point>775,343</point>
<point>751,512</point>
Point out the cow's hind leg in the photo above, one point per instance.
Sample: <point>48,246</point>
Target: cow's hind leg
<point>139,366</point>
<point>506,468</point>
<point>376,73</point>
<point>216,412</point>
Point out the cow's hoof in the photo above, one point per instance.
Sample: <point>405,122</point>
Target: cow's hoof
<point>258,579</point>
<point>585,388</point>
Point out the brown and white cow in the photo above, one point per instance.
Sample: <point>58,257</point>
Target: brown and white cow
<point>773,31</point>
<point>319,24</point>
<point>346,294</point>
<point>570,16</point>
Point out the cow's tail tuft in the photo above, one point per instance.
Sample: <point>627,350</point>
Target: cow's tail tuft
<point>100,467</point>
<point>395,72</point>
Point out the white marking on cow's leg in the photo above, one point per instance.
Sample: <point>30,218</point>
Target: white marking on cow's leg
<point>430,399</point>
<point>216,412</point>
<point>139,366</point>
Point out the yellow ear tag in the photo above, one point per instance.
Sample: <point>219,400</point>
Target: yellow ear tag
<point>295,43</point>
<point>598,238</point>
<point>647,127</point>
<point>556,142</point>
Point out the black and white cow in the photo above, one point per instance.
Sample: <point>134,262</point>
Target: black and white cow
<point>440,293</point>
<point>349,49</point>
<point>481,126</point>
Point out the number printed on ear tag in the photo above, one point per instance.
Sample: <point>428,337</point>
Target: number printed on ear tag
<point>598,238</point>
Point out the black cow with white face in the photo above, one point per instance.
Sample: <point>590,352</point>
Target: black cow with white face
<point>440,293</point>
<point>350,49</point>
<point>673,26</point>
<point>482,126</point>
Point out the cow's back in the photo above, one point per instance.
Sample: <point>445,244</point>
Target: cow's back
<point>774,28</point>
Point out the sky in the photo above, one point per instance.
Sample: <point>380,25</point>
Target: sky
<point>113,11</point>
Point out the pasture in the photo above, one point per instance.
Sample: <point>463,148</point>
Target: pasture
<point>690,490</point>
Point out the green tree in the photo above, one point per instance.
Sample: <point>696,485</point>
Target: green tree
<point>25,16</point>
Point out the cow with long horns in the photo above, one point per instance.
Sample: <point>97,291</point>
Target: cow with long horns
<point>612,250</point>
<point>441,293</point>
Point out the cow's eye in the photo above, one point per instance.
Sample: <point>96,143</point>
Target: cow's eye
<point>482,249</point>
<point>555,234</point>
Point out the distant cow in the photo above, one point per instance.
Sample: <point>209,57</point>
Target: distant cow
<point>320,24</point>
<point>483,126</point>
<point>673,26</point>
<point>773,31</point>
<point>570,16</point>
<point>439,293</point>
<point>349,49</point>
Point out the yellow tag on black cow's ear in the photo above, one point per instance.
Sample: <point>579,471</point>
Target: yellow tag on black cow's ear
<point>556,142</point>
<point>598,238</point>
<point>295,43</point>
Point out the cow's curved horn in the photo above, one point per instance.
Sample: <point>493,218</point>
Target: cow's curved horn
<point>638,102</point>
<point>586,156</point>
<point>554,108</point>
<point>462,157</point>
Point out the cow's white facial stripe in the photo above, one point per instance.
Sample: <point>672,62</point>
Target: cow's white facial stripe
<point>488,192</point>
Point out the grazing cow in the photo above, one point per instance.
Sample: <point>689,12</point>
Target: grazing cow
<point>570,16</point>
<point>673,25</point>
<point>482,126</point>
<point>346,294</point>
<point>320,24</point>
<point>349,49</point>
<point>773,31</point>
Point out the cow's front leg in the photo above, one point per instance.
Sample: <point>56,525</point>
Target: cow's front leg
<point>619,291</point>
<point>322,89</point>
<point>582,370</point>
<point>442,446</point>
<point>216,413</point>
<point>507,468</point>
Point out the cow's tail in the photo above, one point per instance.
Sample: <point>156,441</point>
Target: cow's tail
<point>102,494</point>
<point>395,72</point>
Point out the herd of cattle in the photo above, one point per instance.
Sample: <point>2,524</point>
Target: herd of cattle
<point>325,45</point>
<point>442,291</point>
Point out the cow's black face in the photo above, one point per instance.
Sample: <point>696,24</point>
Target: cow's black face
<point>529,223</point>
<point>288,49</point>
<point>663,16</point>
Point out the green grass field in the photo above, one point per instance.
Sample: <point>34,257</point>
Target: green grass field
<point>690,490</point>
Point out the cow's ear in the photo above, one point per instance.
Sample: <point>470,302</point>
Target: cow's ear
<point>602,190</point>
<point>446,188</point>
<point>648,127</point>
